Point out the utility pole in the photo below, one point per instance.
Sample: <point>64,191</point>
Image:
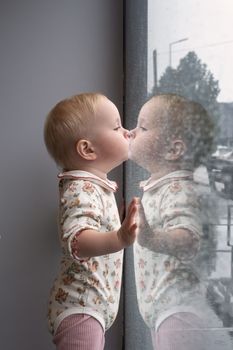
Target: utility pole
<point>155,67</point>
<point>170,49</point>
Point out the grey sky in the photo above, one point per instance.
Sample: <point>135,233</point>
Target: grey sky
<point>207,24</point>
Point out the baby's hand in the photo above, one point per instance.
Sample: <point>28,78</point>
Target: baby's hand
<point>145,233</point>
<point>127,232</point>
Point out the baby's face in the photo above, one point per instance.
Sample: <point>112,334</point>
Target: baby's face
<point>110,139</point>
<point>147,143</point>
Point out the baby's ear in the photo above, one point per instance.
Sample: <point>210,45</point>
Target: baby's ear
<point>85,150</point>
<point>176,150</point>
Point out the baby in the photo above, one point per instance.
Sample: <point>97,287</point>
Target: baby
<point>84,136</point>
<point>173,136</point>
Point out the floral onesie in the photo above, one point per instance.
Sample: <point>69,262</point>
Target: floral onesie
<point>166,284</point>
<point>91,285</point>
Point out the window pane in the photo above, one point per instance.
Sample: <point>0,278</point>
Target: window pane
<point>188,131</point>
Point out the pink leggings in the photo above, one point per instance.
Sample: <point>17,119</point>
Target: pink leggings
<point>79,332</point>
<point>181,331</point>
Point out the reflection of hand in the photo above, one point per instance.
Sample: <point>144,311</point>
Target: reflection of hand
<point>145,233</point>
<point>127,232</point>
<point>179,242</point>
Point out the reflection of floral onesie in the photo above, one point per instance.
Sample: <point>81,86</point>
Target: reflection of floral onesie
<point>166,284</point>
<point>86,286</point>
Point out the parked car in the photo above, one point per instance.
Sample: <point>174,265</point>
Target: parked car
<point>220,171</point>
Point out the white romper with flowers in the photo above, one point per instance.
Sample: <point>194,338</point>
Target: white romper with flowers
<point>166,284</point>
<point>86,286</point>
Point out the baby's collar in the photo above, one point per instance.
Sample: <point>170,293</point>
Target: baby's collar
<point>175,175</point>
<point>84,175</point>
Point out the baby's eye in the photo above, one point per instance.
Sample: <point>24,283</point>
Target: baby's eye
<point>142,128</point>
<point>117,128</point>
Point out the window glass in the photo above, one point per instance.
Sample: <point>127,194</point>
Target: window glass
<point>182,146</point>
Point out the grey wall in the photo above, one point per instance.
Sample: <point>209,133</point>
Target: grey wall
<point>50,49</point>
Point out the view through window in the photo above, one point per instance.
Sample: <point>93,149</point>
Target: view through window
<point>189,54</point>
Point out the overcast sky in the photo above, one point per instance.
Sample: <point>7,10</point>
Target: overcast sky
<point>208,25</point>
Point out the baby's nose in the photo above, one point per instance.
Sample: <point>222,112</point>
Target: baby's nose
<point>126,133</point>
<point>132,134</point>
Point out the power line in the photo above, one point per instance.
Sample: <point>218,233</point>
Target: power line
<point>222,43</point>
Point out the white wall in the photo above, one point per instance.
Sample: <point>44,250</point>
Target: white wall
<point>50,49</point>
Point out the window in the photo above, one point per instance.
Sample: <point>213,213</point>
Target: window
<point>185,48</point>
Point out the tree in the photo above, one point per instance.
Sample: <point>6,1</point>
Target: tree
<point>193,80</point>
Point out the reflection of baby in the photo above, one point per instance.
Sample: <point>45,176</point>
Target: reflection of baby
<point>85,137</point>
<point>172,137</point>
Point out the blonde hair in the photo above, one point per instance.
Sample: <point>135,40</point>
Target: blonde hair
<point>66,123</point>
<point>189,121</point>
